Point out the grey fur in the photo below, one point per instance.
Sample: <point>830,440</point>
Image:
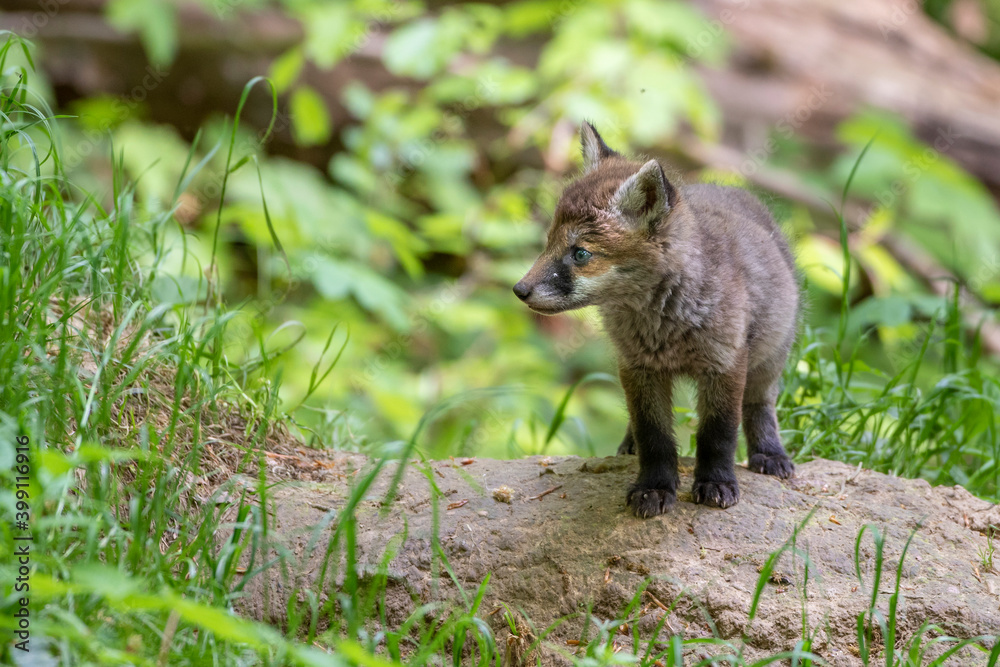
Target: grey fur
<point>696,282</point>
<point>719,306</point>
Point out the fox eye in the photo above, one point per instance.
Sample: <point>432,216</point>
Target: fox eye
<point>581,256</point>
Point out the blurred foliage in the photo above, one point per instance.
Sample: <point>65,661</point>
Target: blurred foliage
<point>142,436</point>
<point>977,21</point>
<point>412,238</point>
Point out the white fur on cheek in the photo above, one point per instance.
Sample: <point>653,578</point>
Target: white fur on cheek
<point>592,288</point>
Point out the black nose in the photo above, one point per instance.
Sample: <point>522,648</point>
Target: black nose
<point>522,291</point>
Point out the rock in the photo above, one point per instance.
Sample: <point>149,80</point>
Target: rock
<point>566,542</point>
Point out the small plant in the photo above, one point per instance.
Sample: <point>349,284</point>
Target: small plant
<point>986,553</point>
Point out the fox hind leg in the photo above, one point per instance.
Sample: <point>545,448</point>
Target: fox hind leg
<point>628,442</point>
<point>765,452</point>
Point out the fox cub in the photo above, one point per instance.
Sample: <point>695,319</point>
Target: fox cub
<point>693,281</point>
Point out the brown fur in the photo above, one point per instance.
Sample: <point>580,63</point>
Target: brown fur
<point>697,282</point>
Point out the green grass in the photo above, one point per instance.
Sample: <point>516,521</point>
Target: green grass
<point>946,431</point>
<point>122,401</point>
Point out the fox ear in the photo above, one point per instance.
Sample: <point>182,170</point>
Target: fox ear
<point>645,197</point>
<point>594,148</point>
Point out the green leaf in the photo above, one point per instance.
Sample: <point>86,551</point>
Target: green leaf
<point>492,83</point>
<point>153,155</point>
<point>408,51</point>
<point>310,119</point>
<point>530,16</point>
<point>422,48</point>
<point>94,453</point>
<point>675,22</point>
<point>54,462</point>
<point>177,289</point>
<point>358,99</point>
<point>355,173</point>
<point>286,69</point>
<point>407,245</point>
<point>154,20</point>
<point>891,311</point>
<point>336,279</point>
<point>332,32</point>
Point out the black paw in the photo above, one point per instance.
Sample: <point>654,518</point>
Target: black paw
<point>778,465</point>
<point>645,502</point>
<point>627,446</point>
<point>716,494</point>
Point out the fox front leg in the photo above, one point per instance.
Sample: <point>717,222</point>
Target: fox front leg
<point>648,395</point>
<point>720,398</point>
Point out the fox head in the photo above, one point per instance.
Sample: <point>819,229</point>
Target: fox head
<point>604,232</point>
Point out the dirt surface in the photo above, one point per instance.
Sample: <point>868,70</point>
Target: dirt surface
<point>566,541</point>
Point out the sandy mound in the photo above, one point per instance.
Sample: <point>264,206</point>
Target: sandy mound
<point>565,541</point>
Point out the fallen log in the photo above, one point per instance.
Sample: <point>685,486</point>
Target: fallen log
<point>820,61</point>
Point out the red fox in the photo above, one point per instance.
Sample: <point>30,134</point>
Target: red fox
<point>693,281</point>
